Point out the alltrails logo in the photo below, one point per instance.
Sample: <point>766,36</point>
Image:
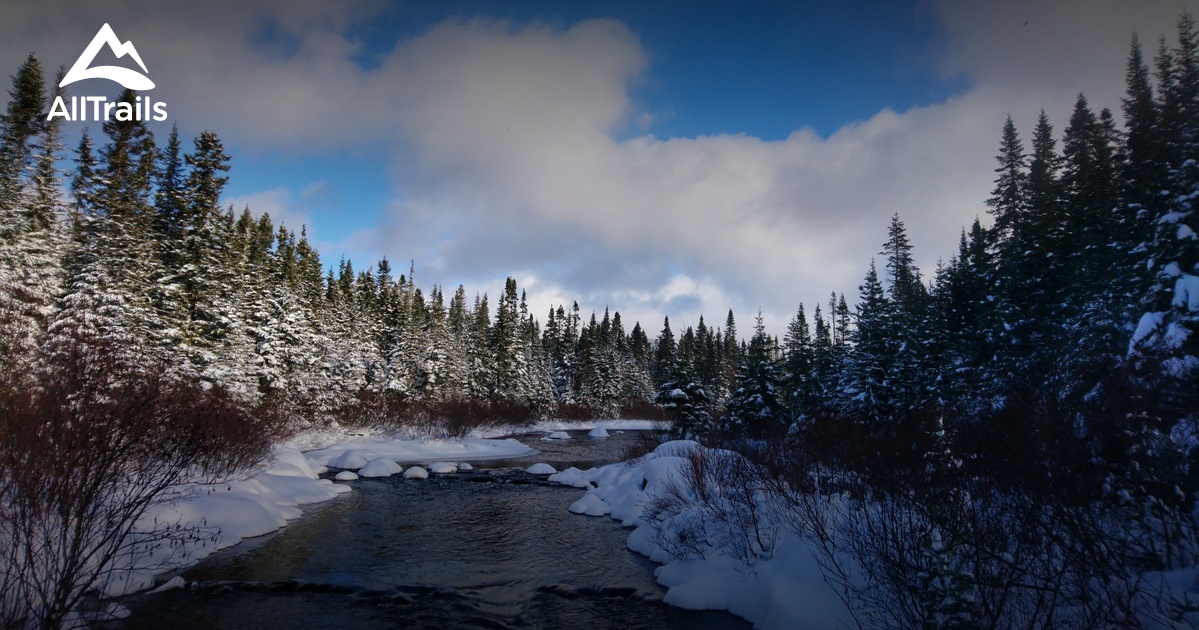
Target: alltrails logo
<point>101,109</point>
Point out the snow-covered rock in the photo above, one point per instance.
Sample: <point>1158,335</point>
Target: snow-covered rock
<point>380,467</point>
<point>443,468</point>
<point>590,505</point>
<point>598,432</point>
<point>574,477</point>
<point>416,472</point>
<point>541,468</point>
<point>465,467</point>
<point>352,459</point>
<point>558,435</point>
<point>346,475</point>
<point>171,584</point>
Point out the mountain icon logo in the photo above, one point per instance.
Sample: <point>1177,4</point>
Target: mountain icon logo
<point>131,79</point>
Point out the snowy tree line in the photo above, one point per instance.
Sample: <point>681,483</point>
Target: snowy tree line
<point>1009,441</point>
<point>1084,289</point>
<point>141,256</point>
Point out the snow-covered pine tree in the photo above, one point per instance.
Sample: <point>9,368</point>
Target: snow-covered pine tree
<point>756,407</point>
<point>109,293</point>
<point>1164,337</point>
<point>31,239</point>
<point>797,365</point>
<point>665,350</point>
<point>685,396</point>
<point>864,379</point>
<point>638,383</point>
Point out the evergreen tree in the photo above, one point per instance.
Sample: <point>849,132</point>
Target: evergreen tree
<point>798,364</point>
<point>31,243</point>
<point>19,126</point>
<point>1007,202</point>
<point>664,354</point>
<point>684,395</point>
<point>865,379</point>
<point>756,408</point>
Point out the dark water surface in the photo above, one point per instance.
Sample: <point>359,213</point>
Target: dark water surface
<point>495,548</point>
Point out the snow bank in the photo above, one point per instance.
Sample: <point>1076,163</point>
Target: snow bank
<point>413,451</point>
<point>224,514</point>
<point>785,589</point>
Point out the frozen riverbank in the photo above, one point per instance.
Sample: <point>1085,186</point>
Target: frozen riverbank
<point>490,546</point>
<point>222,515</point>
<point>779,587</point>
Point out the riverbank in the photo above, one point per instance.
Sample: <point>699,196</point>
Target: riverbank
<point>773,584</point>
<point>221,515</point>
<point>224,514</point>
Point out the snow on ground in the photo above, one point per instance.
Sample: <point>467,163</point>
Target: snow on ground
<point>784,590</point>
<point>225,513</point>
<point>549,426</point>
<point>414,451</point>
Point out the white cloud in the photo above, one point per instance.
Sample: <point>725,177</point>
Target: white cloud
<point>505,157</point>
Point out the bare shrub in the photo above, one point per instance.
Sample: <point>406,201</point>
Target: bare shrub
<point>447,417</point>
<point>716,508</point>
<point>645,442</point>
<point>85,455</point>
<point>577,411</point>
<point>642,410</point>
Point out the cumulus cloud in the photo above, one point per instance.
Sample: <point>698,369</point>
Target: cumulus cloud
<point>505,150</point>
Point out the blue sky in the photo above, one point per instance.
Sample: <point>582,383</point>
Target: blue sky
<point>763,69</point>
<point>656,158</point>
<point>759,68</point>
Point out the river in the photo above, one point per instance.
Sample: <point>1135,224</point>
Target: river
<point>494,548</point>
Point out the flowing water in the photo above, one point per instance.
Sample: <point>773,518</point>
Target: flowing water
<point>495,548</point>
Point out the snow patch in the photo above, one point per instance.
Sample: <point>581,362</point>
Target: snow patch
<point>783,590</point>
<point>1186,292</point>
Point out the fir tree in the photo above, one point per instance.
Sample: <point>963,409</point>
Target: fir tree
<point>756,408</point>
